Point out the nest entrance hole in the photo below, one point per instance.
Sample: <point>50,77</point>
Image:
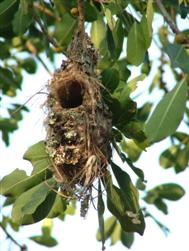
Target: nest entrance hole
<point>70,95</point>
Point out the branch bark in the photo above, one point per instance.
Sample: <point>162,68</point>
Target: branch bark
<point>45,10</point>
<point>167,17</point>
<point>81,16</point>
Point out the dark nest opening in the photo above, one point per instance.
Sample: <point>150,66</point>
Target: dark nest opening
<point>70,95</point>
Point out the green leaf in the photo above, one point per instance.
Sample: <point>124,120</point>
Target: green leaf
<point>115,236</point>
<point>134,130</point>
<point>168,114</point>
<point>123,90</point>
<point>116,7</point>
<point>42,240</point>
<point>183,9</point>
<point>135,45</point>
<point>58,208</point>
<point>147,36</point>
<point>22,19</point>
<point>8,124</point>
<point>132,150</point>
<point>168,157</point>
<point>150,15</point>
<point>4,50</point>
<point>144,111</point>
<point>127,110</point>
<point>90,11</point>
<point>47,227</point>
<point>29,65</point>
<point>17,182</point>
<point>140,184</point>
<point>6,220</point>
<point>110,19</point>
<point>110,78</point>
<point>6,79</point>
<point>175,156</point>
<point>124,72</point>
<point>15,113</point>
<point>98,32</point>
<point>118,36</point>
<point>71,208</point>
<point>101,208</point>
<point>135,169</point>
<point>109,226</point>
<point>182,137</point>
<point>38,156</point>
<point>43,209</point>
<point>128,20</point>
<point>7,10</point>
<point>169,191</point>
<point>28,202</point>
<point>127,239</point>
<point>114,198</point>
<point>138,42</point>
<point>9,201</point>
<point>64,29</point>
<point>126,185</point>
<point>182,160</point>
<point>161,205</point>
<point>111,43</point>
<point>124,208</point>
<point>179,57</point>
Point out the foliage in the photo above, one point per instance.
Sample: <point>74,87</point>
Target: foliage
<point>30,28</point>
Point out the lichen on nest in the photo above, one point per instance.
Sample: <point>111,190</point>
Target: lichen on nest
<point>78,124</point>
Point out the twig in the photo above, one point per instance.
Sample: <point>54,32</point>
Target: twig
<point>75,50</point>
<point>81,16</point>
<point>49,38</point>
<point>31,47</point>
<point>46,11</point>
<point>167,17</point>
<point>22,247</point>
<point>44,65</point>
<point>20,107</point>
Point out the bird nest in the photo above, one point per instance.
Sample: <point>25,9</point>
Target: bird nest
<point>78,130</point>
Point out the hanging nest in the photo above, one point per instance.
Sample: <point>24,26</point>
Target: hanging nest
<point>78,123</point>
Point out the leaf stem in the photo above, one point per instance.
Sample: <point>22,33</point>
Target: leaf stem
<point>22,247</point>
<point>167,17</point>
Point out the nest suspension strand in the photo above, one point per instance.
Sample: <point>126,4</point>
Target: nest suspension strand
<point>78,121</point>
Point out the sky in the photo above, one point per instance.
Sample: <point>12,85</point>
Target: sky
<point>77,233</point>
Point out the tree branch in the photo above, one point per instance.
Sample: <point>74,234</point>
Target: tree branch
<point>167,17</point>
<point>45,10</point>
<point>44,31</point>
<point>22,247</point>
<point>81,16</point>
<point>75,50</point>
